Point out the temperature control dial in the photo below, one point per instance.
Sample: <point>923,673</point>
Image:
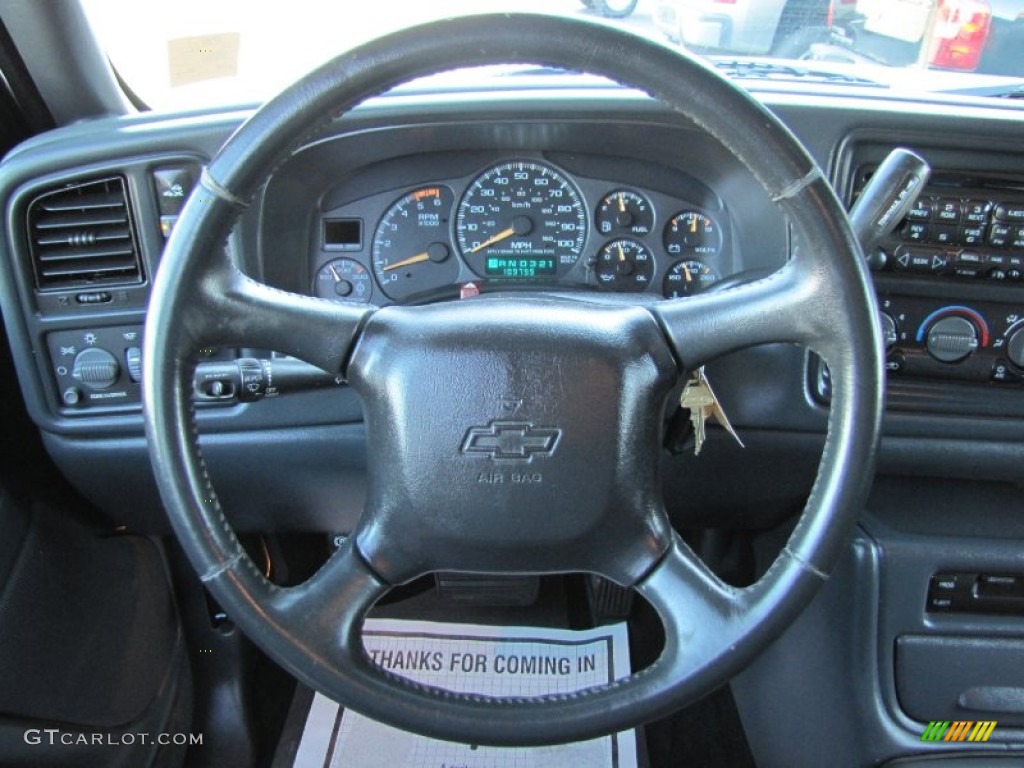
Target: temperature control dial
<point>952,339</point>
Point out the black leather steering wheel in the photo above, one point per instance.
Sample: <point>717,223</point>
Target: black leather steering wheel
<point>591,380</point>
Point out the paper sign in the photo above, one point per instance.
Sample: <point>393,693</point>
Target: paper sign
<point>495,661</point>
<point>202,57</point>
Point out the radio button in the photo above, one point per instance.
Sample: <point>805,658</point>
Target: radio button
<point>921,211</point>
<point>1013,212</point>
<point>999,235</point>
<point>948,210</point>
<point>923,260</point>
<point>915,232</point>
<point>976,211</point>
<point>946,235</point>
<point>971,235</point>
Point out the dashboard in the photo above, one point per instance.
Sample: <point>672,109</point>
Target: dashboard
<point>413,200</point>
<point>600,193</point>
<point>522,222</point>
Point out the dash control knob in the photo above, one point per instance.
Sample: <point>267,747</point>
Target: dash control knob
<point>952,339</point>
<point>890,333</point>
<point>1015,348</point>
<point>96,368</point>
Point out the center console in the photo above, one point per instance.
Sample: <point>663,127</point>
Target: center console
<point>950,283</point>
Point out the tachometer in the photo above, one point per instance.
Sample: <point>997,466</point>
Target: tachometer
<point>411,249</point>
<point>521,219</point>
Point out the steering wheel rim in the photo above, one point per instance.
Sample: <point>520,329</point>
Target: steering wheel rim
<point>822,299</point>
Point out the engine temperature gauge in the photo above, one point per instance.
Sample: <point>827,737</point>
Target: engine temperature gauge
<point>687,278</point>
<point>625,265</point>
<point>343,280</point>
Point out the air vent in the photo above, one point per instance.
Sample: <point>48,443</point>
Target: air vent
<point>81,235</point>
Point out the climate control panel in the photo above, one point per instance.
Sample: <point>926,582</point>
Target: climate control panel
<point>931,343</point>
<point>980,341</point>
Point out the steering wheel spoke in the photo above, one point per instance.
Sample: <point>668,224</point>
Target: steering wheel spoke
<point>240,311</point>
<point>786,306</point>
<point>698,610</point>
<point>332,604</point>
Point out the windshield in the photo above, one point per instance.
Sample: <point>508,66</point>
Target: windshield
<point>219,52</point>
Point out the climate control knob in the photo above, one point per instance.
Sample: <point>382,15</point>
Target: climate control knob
<point>890,333</point>
<point>952,339</point>
<point>1015,347</point>
<point>96,368</point>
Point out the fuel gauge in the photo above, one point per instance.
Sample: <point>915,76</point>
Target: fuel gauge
<point>624,212</point>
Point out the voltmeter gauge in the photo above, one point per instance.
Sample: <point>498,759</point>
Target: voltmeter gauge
<point>624,212</point>
<point>343,280</point>
<point>688,277</point>
<point>691,233</point>
<point>624,265</point>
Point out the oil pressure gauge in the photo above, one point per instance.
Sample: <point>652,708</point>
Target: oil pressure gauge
<point>625,265</point>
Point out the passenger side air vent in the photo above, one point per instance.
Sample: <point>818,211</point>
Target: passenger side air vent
<point>81,235</point>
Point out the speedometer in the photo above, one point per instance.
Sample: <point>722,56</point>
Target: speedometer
<point>521,219</point>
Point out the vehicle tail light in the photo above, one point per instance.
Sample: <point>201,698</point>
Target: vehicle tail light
<point>961,29</point>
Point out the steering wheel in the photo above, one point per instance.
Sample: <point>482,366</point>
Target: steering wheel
<point>590,380</point>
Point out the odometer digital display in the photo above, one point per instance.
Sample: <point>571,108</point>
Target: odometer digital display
<point>521,219</point>
<point>498,266</point>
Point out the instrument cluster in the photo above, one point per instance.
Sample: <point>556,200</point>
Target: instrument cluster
<point>520,222</point>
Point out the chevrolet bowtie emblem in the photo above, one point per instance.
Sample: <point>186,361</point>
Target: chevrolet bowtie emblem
<point>511,441</point>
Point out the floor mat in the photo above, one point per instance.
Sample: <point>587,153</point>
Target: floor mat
<point>505,661</point>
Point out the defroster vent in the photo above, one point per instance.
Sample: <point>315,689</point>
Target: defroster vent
<point>81,235</point>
